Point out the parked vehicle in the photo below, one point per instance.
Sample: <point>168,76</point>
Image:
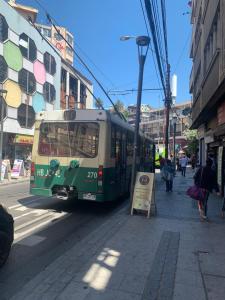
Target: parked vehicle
<point>85,154</point>
<point>6,234</point>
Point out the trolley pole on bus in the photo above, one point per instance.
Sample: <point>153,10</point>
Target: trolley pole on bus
<point>143,45</point>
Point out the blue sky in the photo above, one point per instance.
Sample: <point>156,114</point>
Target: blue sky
<point>97,26</point>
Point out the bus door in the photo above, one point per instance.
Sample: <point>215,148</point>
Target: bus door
<point>123,170</point>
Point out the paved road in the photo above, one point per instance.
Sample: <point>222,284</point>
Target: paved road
<point>44,229</point>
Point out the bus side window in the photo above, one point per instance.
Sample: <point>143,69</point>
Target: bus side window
<point>113,141</point>
<point>118,144</point>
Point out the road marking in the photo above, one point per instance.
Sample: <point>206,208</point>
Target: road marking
<point>27,203</point>
<point>37,212</point>
<point>47,214</point>
<point>19,236</point>
<point>22,208</point>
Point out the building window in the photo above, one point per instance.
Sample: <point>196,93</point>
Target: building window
<point>3,29</point>
<point>26,116</point>
<point>212,43</point>
<point>69,51</point>
<point>83,94</point>
<point>47,32</point>
<point>50,64</point>
<point>49,92</point>
<point>27,47</point>
<point>58,37</point>
<point>69,39</point>
<point>3,69</point>
<point>4,106</point>
<point>27,81</point>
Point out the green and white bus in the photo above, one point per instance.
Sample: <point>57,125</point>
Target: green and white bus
<point>85,154</point>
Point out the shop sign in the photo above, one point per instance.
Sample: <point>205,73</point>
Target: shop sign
<point>143,192</point>
<point>221,114</point>
<point>24,139</point>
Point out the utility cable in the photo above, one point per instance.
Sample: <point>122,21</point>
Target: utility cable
<point>152,26</point>
<point>54,49</point>
<point>50,19</point>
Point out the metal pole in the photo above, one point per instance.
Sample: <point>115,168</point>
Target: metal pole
<point>174,145</point>
<point>167,104</point>
<point>137,121</point>
<point>1,140</point>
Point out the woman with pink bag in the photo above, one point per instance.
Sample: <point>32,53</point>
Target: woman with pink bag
<point>205,178</point>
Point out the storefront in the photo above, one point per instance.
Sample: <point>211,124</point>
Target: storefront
<point>16,146</point>
<point>23,146</point>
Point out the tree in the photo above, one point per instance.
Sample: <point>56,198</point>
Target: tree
<point>120,106</point>
<point>99,103</point>
<point>192,141</point>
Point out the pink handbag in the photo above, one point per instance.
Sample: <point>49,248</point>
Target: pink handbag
<point>196,192</point>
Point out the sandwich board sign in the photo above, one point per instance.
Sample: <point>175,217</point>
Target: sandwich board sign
<point>144,193</point>
<point>18,168</point>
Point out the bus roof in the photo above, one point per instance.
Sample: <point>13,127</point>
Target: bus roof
<point>85,115</point>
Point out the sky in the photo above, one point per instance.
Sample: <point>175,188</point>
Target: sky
<point>97,26</point>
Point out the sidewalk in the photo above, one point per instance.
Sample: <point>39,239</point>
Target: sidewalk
<point>14,181</point>
<point>170,256</point>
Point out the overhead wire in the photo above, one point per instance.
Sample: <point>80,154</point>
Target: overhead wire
<point>151,19</point>
<point>50,19</point>
<point>75,74</point>
<point>146,25</point>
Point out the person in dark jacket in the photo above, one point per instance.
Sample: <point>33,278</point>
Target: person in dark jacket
<point>205,178</point>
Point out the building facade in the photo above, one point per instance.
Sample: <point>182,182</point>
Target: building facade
<point>207,79</point>
<point>31,71</point>
<point>144,111</point>
<point>154,124</point>
<point>55,38</point>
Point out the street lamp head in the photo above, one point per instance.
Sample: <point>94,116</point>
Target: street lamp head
<point>126,37</point>
<point>142,41</point>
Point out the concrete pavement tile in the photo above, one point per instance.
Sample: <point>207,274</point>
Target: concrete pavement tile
<point>186,292</point>
<point>215,287</point>
<point>212,263</point>
<point>74,291</point>
<point>111,295</point>
<point>188,262</point>
<point>189,278</point>
<point>133,284</point>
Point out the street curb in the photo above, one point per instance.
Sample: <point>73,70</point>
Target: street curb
<point>14,182</point>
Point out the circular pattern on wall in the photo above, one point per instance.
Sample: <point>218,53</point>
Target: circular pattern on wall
<point>38,102</point>
<point>13,56</point>
<point>39,72</point>
<point>14,94</point>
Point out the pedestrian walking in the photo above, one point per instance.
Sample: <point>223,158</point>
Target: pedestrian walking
<point>193,161</point>
<point>183,164</point>
<point>168,170</point>
<point>205,178</point>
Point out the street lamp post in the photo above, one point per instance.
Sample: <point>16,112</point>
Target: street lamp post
<point>3,94</point>
<point>143,44</point>
<point>174,139</point>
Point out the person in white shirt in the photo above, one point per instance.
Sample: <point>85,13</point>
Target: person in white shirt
<point>183,164</point>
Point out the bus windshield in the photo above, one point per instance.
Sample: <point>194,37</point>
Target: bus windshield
<point>73,139</point>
